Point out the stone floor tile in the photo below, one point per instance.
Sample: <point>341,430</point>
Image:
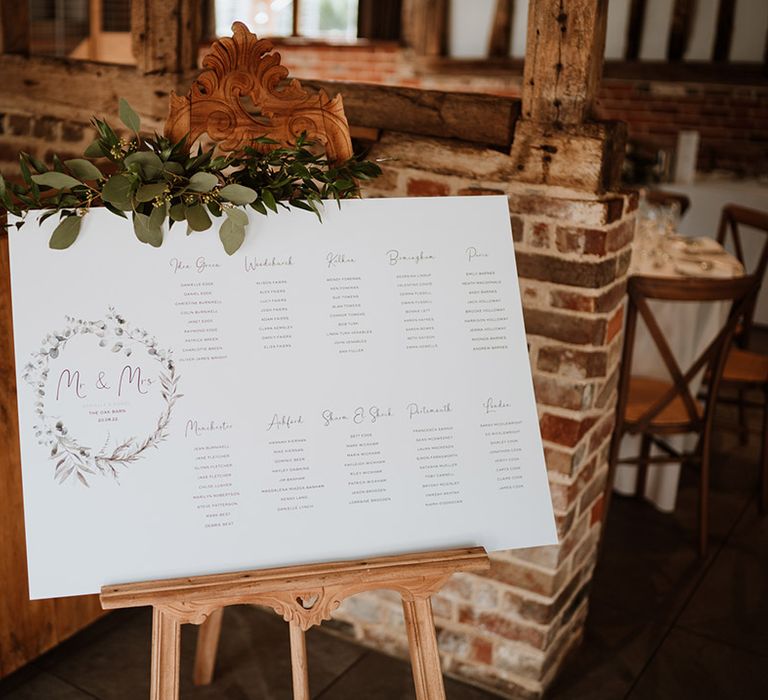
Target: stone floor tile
<point>44,686</point>
<point>690,667</point>
<point>731,602</point>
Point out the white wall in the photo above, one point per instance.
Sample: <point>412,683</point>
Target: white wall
<point>470,29</point>
<point>749,25</point>
<point>702,41</point>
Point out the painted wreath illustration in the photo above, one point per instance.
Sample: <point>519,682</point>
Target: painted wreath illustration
<point>79,461</point>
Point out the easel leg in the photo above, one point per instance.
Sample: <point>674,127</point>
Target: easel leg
<point>166,643</point>
<point>425,659</point>
<point>299,670</point>
<point>207,644</point>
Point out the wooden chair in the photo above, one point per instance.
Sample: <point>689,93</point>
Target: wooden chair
<point>732,218</point>
<point>663,198</point>
<point>746,370</point>
<point>653,408</point>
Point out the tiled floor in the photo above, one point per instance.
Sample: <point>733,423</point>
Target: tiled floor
<point>662,624</point>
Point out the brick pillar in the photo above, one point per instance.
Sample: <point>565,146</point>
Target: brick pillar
<point>511,629</point>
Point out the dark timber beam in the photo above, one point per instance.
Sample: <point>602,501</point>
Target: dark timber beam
<point>425,26</point>
<point>14,26</point>
<point>501,29</point>
<point>724,32</point>
<point>683,14</point>
<point>635,29</point>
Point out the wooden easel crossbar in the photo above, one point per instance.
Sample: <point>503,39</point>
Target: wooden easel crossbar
<point>304,596</point>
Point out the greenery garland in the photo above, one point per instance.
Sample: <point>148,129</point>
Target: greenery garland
<point>155,180</point>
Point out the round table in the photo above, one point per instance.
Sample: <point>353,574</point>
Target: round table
<point>688,328</point>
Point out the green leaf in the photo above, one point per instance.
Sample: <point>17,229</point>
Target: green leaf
<point>145,163</point>
<point>83,169</point>
<point>115,210</point>
<point>148,229</point>
<point>2,185</point>
<point>259,207</point>
<point>38,165</point>
<point>269,200</point>
<point>198,218</point>
<point>238,216</point>
<point>58,181</point>
<point>177,212</point>
<point>238,194</point>
<point>129,117</point>
<point>231,235</point>
<point>25,170</point>
<point>117,191</point>
<point>95,150</point>
<point>65,234</point>
<point>157,219</point>
<point>203,182</point>
<point>173,167</point>
<point>146,193</point>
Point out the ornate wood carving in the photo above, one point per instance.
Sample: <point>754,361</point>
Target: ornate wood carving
<point>239,97</point>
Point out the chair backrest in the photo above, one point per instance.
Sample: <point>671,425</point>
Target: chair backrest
<point>663,198</point>
<point>732,218</point>
<point>740,291</point>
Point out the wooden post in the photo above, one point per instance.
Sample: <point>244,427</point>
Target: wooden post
<point>166,34</point>
<point>299,669</point>
<point>207,644</point>
<point>422,642</point>
<point>14,27</point>
<point>557,142</point>
<point>166,645</point>
<point>425,24</point>
<point>563,59</point>
<point>501,29</point>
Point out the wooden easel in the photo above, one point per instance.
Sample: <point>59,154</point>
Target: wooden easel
<point>238,67</point>
<point>304,596</point>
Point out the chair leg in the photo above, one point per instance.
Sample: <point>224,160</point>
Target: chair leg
<point>704,500</point>
<point>642,468</point>
<point>764,458</point>
<point>743,427</point>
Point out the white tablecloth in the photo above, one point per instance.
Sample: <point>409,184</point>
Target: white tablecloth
<point>688,328</point>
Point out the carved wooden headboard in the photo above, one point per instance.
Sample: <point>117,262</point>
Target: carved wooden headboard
<point>239,97</point>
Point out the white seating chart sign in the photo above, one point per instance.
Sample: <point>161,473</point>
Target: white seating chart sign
<point>351,388</point>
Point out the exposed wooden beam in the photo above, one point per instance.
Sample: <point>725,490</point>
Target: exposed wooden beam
<point>563,59</point>
<point>501,29</point>
<point>683,14</point>
<point>487,119</point>
<point>724,33</point>
<point>635,29</point>
<point>14,26</point>
<point>425,26</point>
<point>166,34</point>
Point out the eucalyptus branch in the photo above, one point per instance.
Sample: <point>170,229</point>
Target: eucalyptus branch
<point>156,180</point>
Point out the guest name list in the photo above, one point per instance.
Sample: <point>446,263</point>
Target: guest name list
<point>351,388</point>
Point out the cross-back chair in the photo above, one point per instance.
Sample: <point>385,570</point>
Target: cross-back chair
<point>654,408</point>
<point>732,220</point>
<point>744,369</point>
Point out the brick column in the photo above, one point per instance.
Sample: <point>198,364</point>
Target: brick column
<point>511,630</point>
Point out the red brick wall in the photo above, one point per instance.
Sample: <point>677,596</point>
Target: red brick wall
<point>731,119</point>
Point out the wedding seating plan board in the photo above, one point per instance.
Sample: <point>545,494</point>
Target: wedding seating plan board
<point>335,390</point>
